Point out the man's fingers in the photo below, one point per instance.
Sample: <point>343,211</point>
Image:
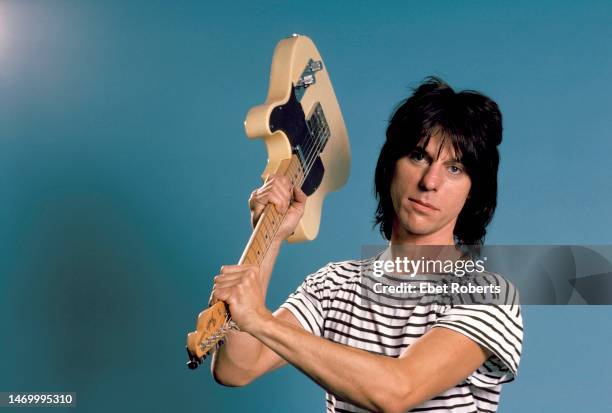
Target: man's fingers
<point>253,200</point>
<point>221,294</point>
<point>279,182</point>
<point>278,191</point>
<point>278,201</point>
<point>281,200</point>
<point>229,269</point>
<point>276,195</point>
<point>299,195</point>
<point>228,277</point>
<point>227,283</point>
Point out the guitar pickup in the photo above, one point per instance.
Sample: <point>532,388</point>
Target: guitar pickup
<point>318,127</point>
<point>300,154</point>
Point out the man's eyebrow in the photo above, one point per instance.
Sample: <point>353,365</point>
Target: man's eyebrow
<point>425,152</point>
<point>455,160</point>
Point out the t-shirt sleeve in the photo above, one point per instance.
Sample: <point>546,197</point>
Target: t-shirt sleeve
<point>307,302</point>
<point>499,329</point>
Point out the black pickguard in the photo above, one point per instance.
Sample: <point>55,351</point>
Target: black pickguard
<point>290,119</point>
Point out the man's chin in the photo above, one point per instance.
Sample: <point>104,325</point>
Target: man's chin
<point>420,230</point>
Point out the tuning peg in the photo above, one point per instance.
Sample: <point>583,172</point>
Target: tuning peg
<point>192,364</point>
<point>194,361</point>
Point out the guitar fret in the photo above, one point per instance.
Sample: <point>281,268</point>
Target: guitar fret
<point>250,257</point>
<point>295,174</point>
<point>257,249</point>
<point>266,227</point>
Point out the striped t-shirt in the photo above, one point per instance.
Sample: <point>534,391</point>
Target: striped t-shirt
<point>333,303</point>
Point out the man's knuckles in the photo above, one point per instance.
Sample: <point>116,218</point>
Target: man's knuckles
<point>236,269</point>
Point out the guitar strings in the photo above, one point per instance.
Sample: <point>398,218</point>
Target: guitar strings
<point>312,154</point>
<point>310,160</point>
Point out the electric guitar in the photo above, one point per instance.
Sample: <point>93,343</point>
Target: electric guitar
<point>306,139</point>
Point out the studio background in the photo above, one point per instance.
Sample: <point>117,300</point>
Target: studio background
<point>125,170</point>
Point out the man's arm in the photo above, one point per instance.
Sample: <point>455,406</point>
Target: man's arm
<point>434,363</point>
<point>437,361</point>
<point>243,358</point>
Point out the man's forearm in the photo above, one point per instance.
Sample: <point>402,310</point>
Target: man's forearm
<point>369,380</point>
<point>233,363</point>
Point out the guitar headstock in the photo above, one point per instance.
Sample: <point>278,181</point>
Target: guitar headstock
<point>211,327</point>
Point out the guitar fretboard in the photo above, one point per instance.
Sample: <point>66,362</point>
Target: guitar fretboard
<point>269,221</point>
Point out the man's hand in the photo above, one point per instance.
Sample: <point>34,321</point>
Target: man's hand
<point>278,191</point>
<point>240,287</point>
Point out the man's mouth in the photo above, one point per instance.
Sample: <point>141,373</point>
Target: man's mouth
<point>423,204</point>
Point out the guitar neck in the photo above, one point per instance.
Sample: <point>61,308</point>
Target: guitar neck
<point>270,219</point>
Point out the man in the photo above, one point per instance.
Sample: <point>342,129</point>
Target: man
<point>436,183</point>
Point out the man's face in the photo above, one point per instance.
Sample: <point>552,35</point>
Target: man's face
<point>424,177</point>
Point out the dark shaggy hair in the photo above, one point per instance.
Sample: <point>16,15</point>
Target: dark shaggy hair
<point>473,123</point>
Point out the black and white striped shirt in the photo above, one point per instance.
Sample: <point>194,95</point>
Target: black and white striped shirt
<point>332,303</point>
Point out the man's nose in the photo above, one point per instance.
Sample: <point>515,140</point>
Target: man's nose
<point>431,179</point>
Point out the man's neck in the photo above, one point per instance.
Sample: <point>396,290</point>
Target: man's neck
<point>419,252</point>
<point>406,238</point>
<point>440,245</point>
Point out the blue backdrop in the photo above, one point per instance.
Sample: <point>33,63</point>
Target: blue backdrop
<point>124,175</point>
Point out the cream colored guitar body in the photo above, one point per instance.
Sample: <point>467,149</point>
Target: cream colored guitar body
<point>291,57</point>
<point>306,140</point>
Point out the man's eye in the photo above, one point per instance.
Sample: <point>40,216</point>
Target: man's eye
<point>416,155</point>
<point>455,170</point>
